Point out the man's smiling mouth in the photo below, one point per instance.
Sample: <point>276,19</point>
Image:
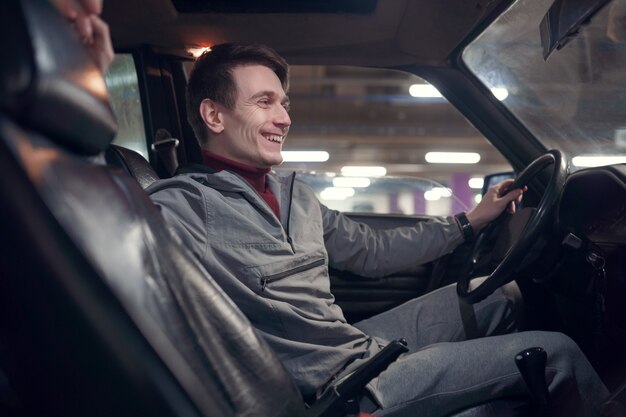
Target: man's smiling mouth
<point>275,138</point>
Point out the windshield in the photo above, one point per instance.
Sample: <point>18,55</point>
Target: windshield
<point>576,100</point>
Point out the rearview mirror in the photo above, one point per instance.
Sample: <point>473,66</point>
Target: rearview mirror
<point>493,179</point>
<point>563,20</point>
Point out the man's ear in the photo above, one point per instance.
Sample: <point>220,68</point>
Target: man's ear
<point>210,113</point>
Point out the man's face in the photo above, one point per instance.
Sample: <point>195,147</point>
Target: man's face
<point>256,127</point>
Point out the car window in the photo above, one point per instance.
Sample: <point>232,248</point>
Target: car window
<point>573,100</point>
<point>388,121</point>
<point>387,195</point>
<point>123,85</point>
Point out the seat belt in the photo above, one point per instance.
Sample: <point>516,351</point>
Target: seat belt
<point>164,146</point>
<point>343,399</point>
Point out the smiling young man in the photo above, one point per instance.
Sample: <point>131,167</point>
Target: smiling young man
<point>253,130</point>
<point>268,242</point>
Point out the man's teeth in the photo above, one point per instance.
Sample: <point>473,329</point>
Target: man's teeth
<point>278,139</point>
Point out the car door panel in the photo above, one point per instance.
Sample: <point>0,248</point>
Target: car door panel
<point>362,297</point>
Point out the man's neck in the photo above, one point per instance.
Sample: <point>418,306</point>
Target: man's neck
<point>255,176</point>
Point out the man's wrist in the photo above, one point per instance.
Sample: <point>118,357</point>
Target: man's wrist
<point>465,226</point>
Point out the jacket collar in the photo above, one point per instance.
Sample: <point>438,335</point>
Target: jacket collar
<point>279,183</point>
<point>255,176</point>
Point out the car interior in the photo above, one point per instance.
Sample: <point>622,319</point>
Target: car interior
<point>105,312</point>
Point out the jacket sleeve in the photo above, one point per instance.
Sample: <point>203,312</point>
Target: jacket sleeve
<point>355,247</point>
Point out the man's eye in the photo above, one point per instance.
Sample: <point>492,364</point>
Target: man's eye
<point>264,102</point>
<point>286,107</point>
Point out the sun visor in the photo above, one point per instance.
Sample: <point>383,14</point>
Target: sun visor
<point>275,6</point>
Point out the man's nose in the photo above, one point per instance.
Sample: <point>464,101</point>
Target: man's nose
<point>281,118</point>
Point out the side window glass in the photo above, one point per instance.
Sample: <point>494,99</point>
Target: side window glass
<point>389,194</point>
<point>123,85</point>
<point>372,140</point>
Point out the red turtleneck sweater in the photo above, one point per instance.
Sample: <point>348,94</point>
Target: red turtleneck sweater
<point>254,176</point>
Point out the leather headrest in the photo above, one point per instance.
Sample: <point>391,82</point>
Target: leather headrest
<point>48,82</point>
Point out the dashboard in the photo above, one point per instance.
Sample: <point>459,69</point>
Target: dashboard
<point>591,277</point>
<point>593,206</point>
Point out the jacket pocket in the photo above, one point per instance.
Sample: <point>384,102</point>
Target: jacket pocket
<point>268,279</point>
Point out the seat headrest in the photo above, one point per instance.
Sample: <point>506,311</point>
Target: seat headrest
<point>48,82</point>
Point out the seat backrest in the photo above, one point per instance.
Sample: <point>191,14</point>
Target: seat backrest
<point>131,162</point>
<point>102,311</point>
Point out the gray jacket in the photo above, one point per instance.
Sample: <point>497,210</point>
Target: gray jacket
<point>276,270</point>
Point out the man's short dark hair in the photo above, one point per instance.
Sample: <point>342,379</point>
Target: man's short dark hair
<point>211,77</point>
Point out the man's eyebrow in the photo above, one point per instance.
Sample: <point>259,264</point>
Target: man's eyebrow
<point>270,94</point>
<point>264,93</point>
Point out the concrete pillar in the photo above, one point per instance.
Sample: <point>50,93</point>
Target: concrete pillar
<point>462,191</point>
<point>394,207</point>
<point>419,203</point>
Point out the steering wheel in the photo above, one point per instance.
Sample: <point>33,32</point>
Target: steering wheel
<point>516,234</point>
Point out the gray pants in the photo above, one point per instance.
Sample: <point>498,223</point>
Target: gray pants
<point>452,365</point>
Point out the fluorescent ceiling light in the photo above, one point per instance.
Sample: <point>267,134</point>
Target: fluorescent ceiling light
<point>598,160</point>
<point>350,182</point>
<point>424,91</point>
<point>452,157</point>
<point>436,193</point>
<point>444,192</point>
<point>431,196</point>
<point>305,156</point>
<point>365,171</point>
<point>500,93</point>
<point>478,198</point>
<point>332,193</point>
<point>430,91</point>
<point>476,183</point>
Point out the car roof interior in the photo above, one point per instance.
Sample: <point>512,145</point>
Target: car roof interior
<point>380,33</point>
<point>419,37</point>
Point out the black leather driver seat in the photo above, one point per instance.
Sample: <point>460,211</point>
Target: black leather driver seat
<point>102,311</point>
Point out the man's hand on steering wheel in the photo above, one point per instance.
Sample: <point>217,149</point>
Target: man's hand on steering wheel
<point>516,235</point>
<point>494,202</point>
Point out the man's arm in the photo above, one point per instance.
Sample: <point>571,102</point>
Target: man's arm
<point>357,248</point>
